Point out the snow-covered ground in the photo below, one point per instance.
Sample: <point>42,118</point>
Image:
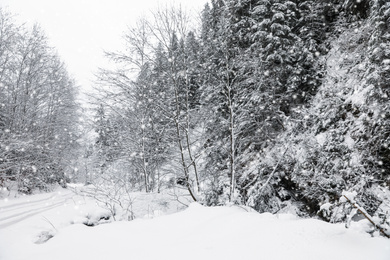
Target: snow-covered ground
<point>194,233</point>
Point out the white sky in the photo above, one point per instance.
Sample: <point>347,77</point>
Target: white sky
<point>81,29</point>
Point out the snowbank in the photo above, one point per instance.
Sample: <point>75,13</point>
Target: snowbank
<point>204,233</point>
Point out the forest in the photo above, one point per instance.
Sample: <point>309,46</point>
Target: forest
<point>271,104</point>
<point>38,110</point>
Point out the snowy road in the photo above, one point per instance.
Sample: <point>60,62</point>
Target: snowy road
<point>15,211</point>
<point>27,222</point>
<point>24,220</point>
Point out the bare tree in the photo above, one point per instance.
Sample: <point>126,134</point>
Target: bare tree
<point>37,100</point>
<point>154,110</point>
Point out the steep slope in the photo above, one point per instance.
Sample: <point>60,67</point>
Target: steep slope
<point>340,140</point>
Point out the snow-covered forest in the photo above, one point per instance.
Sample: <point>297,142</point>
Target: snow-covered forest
<point>38,110</point>
<point>279,106</point>
<point>269,104</point>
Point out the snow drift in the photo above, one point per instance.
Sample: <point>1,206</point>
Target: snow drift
<point>203,233</point>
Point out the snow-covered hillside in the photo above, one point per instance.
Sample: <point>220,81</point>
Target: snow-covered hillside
<point>198,232</point>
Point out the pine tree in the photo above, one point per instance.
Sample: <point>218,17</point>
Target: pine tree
<point>103,140</point>
<point>193,70</point>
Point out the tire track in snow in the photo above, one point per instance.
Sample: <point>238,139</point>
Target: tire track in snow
<point>34,209</point>
<point>20,211</point>
<point>24,215</point>
<point>21,205</point>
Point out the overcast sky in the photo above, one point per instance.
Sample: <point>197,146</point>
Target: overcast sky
<point>81,29</point>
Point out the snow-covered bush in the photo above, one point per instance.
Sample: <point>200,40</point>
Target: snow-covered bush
<point>112,192</point>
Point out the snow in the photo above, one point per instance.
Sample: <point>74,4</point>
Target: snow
<point>326,208</point>
<point>359,95</point>
<point>321,138</point>
<point>197,232</point>
<point>348,194</point>
<point>349,141</point>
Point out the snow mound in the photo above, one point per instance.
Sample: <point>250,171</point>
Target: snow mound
<point>209,233</point>
<point>348,194</point>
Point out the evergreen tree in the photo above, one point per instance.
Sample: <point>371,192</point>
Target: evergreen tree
<point>104,140</point>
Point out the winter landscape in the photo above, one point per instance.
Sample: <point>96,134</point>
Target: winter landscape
<point>253,129</point>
